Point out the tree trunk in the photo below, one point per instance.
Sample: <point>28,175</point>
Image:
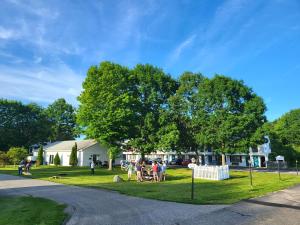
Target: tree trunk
<point>142,156</point>
<point>110,164</point>
<point>223,159</point>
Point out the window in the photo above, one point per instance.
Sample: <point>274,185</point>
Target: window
<point>51,159</point>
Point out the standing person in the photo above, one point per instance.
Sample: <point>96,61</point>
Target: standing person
<point>163,171</point>
<point>130,170</point>
<point>139,172</point>
<point>92,168</point>
<point>20,168</point>
<point>155,172</point>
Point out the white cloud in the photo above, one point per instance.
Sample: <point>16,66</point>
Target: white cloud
<point>7,33</point>
<point>39,83</point>
<point>176,53</point>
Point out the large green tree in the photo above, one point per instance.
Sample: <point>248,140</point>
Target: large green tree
<point>228,115</point>
<point>107,102</point>
<point>287,127</point>
<point>22,125</point>
<point>63,121</point>
<point>285,136</point>
<point>152,89</point>
<point>177,128</point>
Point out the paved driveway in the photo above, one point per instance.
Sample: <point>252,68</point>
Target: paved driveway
<point>94,206</point>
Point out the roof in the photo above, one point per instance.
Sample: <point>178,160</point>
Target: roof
<point>67,145</point>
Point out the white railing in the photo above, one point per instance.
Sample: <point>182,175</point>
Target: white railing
<point>210,172</point>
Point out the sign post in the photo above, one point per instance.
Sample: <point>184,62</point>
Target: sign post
<point>192,194</point>
<point>278,165</point>
<point>297,166</point>
<point>250,172</point>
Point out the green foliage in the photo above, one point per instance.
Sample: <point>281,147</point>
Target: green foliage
<point>16,154</point>
<point>106,104</point>
<point>177,129</point>
<point>283,141</point>
<point>22,125</point>
<point>228,115</point>
<point>63,120</point>
<point>287,128</point>
<point>73,157</point>
<point>57,160</point>
<point>3,158</point>
<point>154,88</point>
<point>40,157</point>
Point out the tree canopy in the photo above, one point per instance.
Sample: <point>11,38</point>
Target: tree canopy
<point>228,114</point>
<point>176,120</point>
<point>22,125</point>
<point>63,120</point>
<point>152,88</point>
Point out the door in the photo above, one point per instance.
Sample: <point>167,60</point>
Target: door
<point>255,161</point>
<point>263,161</point>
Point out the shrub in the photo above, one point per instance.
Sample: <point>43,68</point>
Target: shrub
<point>3,158</point>
<point>16,154</point>
<point>40,157</point>
<point>73,157</point>
<point>56,160</point>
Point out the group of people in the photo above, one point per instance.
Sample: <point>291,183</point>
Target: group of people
<point>24,165</point>
<point>157,171</point>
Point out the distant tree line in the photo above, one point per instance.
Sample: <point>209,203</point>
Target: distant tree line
<point>23,125</point>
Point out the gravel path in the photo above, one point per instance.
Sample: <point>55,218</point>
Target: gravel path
<point>94,206</point>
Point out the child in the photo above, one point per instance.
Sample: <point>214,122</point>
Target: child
<point>92,167</point>
<point>130,170</point>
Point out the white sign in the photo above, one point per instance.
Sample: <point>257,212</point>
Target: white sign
<point>280,158</point>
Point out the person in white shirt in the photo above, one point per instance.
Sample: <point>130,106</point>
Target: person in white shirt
<point>92,168</point>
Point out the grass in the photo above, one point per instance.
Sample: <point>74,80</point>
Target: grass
<point>30,210</point>
<point>177,188</point>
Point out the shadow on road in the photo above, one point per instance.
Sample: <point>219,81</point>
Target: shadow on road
<point>272,204</point>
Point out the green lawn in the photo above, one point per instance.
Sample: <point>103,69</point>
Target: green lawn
<point>30,210</point>
<point>177,187</point>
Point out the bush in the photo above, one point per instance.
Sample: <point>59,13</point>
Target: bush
<point>73,157</point>
<point>3,159</point>
<point>56,160</point>
<point>16,154</point>
<point>40,157</point>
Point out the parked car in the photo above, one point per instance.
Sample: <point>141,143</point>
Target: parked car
<point>186,162</point>
<point>176,162</point>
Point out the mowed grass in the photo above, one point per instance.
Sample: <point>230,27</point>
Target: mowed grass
<point>30,210</point>
<point>176,188</point>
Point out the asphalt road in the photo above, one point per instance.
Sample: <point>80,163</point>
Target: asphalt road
<point>95,206</point>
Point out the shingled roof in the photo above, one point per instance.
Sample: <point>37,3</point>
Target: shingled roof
<point>67,145</point>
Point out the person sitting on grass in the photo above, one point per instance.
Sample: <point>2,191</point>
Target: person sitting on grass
<point>130,169</point>
<point>155,172</point>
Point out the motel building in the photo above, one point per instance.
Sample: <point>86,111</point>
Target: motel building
<point>258,156</point>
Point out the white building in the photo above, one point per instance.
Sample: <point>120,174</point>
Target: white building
<point>258,156</point>
<point>87,150</point>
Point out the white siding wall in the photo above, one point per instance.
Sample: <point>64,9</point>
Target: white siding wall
<point>83,155</point>
<point>64,157</point>
<point>93,150</point>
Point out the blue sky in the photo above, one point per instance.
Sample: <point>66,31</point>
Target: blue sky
<point>46,47</point>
